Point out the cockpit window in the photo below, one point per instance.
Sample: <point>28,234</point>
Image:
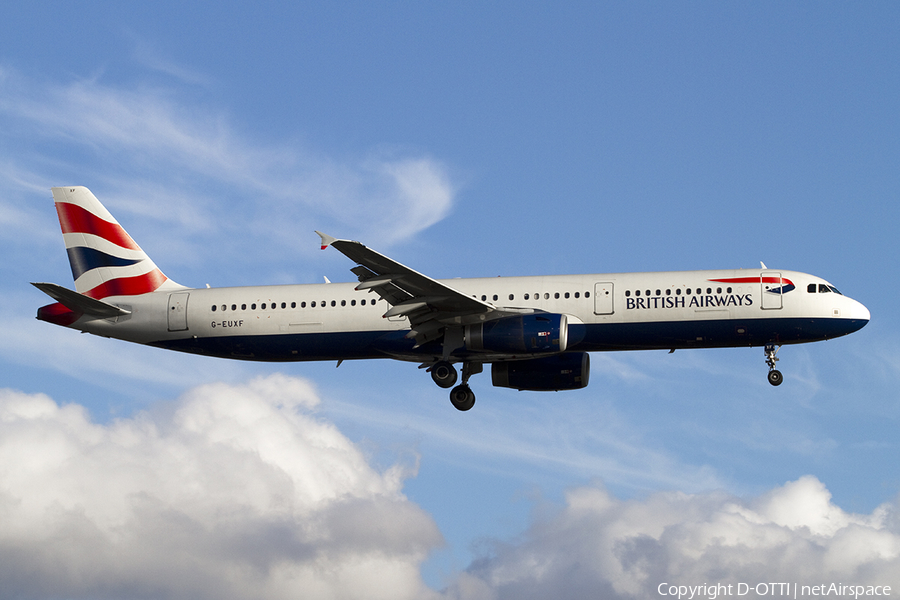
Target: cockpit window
<point>823,289</point>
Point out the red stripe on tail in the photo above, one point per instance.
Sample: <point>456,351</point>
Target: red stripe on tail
<point>128,286</point>
<point>75,219</point>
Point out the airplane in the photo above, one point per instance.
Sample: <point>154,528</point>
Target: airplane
<point>536,332</point>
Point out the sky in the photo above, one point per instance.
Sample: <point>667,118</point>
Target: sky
<point>462,139</point>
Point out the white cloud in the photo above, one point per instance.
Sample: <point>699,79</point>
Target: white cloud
<point>602,547</point>
<point>244,491</point>
<point>236,492</point>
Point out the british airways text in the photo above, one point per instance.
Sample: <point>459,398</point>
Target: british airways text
<point>717,301</point>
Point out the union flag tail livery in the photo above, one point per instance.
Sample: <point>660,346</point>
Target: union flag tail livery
<point>105,260</point>
<point>534,332</point>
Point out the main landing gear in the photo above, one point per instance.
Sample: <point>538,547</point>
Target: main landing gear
<point>444,374</point>
<point>775,376</point>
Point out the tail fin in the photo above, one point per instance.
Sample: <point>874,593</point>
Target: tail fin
<point>105,260</point>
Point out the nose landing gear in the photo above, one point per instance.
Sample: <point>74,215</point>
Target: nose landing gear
<point>775,377</point>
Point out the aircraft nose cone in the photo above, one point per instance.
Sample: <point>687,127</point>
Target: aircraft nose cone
<point>859,314</point>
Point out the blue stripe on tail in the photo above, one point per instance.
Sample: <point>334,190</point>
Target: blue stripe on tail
<point>83,259</point>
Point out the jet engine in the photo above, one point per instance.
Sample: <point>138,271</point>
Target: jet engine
<point>569,371</point>
<point>528,334</point>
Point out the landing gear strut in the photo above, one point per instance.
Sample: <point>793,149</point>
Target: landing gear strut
<point>775,376</point>
<point>444,374</point>
<point>462,397</point>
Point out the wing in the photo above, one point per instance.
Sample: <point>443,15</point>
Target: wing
<point>430,305</point>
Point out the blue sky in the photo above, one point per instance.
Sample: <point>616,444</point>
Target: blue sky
<point>470,139</point>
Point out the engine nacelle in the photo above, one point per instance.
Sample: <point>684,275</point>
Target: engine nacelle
<point>528,334</point>
<point>552,373</point>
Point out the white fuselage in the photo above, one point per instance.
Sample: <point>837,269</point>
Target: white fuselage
<point>621,311</point>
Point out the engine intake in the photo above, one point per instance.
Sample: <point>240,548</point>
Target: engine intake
<point>569,371</point>
<point>528,334</point>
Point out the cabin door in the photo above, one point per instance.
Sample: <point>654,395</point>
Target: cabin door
<point>603,298</point>
<point>772,290</point>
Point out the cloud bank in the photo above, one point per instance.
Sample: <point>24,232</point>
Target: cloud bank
<point>242,491</point>
<point>236,492</point>
<point>602,547</point>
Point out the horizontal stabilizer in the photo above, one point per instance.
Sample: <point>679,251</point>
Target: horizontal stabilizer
<point>79,302</point>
